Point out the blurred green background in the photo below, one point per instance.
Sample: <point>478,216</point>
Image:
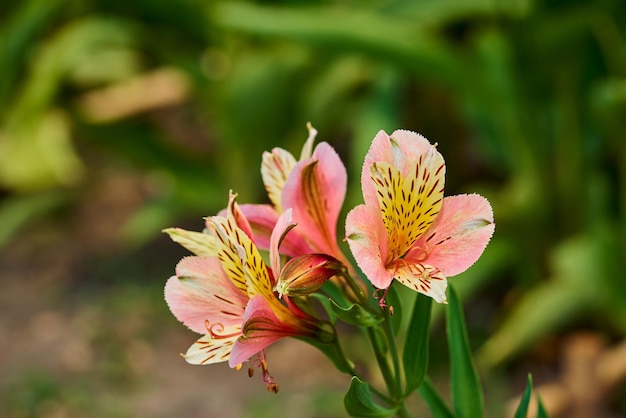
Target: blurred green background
<point>121,118</point>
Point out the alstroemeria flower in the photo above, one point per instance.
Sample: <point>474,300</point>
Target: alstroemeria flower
<point>242,258</point>
<point>314,187</point>
<point>407,230</point>
<point>229,298</point>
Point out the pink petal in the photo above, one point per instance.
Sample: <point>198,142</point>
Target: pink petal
<point>275,168</point>
<point>307,149</point>
<point>202,292</point>
<point>400,150</point>
<point>283,226</point>
<point>241,259</point>
<point>236,215</point>
<point>424,279</point>
<point>367,238</point>
<point>267,330</point>
<point>459,235</point>
<point>262,219</point>
<point>210,349</point>
<point>315,190</point>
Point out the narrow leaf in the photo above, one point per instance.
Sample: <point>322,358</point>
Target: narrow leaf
<point>433,399</point>
<point>467,396</point>
<point>359,403</point>
<point>522,408</point>
<point>415,355</point>
<point>541,410</point>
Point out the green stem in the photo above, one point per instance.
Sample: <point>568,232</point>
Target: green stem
<point>352,371</point>
<point>392,378</point>
<point>383,365</point>
<point>402,412</point>
<point>393,348</point>
<point>354,286</point>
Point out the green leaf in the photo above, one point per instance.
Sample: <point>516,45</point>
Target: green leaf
<point>541,411</point>
<point>522,408</point>
<point>356,315</point>
<point>433,399</point>
<point>359,403</point>
<point>415,355</point>
<point>467,396</point>
<point>401,41</point>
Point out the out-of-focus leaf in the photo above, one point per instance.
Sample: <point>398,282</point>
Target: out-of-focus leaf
<point>71,46</point>
<point>551,304</point>
<point>467,394</point>
<point>359,403</point>
<point>18,35</point>
<point>541,410</point>
<point>522,408</point>
<point>401,41</point>
<point>35,145</point>
<point>415,354</point>
<point>435,402</point>
<point>437,12</point>
<point>495,259</point>
<point>610,93</point>
<point>38,155</point>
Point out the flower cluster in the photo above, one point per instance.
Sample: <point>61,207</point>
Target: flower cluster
<point>406,230</point>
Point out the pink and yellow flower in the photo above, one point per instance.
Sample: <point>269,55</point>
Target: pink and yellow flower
<point>314,187</point>
<point>406,230</point>
<point>228,296</point>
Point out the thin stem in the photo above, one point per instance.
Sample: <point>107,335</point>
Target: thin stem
<point>352,371</point>
<point>383,365</point>
<point>402,412</point>
<point>393,347</point>
<point>354,286</point>
<point>392,378</point>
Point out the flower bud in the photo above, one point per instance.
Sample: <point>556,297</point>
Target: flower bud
<point>307,273</point>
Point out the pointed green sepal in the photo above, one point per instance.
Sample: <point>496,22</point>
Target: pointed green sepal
<point>357,315</point>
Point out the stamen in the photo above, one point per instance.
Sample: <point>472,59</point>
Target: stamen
<point>381,300</point>
<point>272,386</point>
<point>216,329</point>
<point>260,362</point>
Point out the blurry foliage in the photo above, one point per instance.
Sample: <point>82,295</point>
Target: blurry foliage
<point>526,100</point>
